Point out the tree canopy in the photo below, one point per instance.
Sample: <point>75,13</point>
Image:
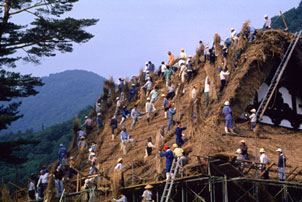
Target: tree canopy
<point>45,35</point>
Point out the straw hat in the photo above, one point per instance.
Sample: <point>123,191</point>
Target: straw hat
<point>242,141</point>
<point>262,150</point>
<point>120,160</point>
<point>175,145</point>
<point>253,110</point>
<point>148,186</point>
<point>182,49</point>
<point>163,95</point>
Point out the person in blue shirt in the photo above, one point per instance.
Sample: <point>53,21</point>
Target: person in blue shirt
<point>228,117</point>
<point>151,67</point>
<point>169,159</point>
<point>281,164</point>
<point>62,152</point>
<point>125,139</point>
<point>125,114</point>
<point>179,129</point>
<point>132,92</point>
<point>171,113</point>
<point>99,122</point>
<point>165,103</point>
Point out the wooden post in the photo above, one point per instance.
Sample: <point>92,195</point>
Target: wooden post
<point>78,178</point>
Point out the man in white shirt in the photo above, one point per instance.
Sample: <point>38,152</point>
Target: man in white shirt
<point>149,109</point>
<point>222,75</point>
<point>233,33</point>
<point>119,166</point>
<point>264,163</point>
<point>267,22</point>
<point>42,183</point>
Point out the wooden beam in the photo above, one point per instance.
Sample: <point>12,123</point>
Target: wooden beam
<point>291,172</point>
<point>267,169</point>
<point>78,178</point>
<point>294,175</point>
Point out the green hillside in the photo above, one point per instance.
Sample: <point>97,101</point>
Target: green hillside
<point>293,19</point>
<point>43,153</point>
<point>63,95</point>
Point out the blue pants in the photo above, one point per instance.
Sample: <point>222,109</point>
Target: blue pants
<point>281,173</point>
<point>229,123</point>
<point>59,187</point>
<point>71,172</point>
<point>168,168</point>
<point>112,129</point>
<point>179,141</point>
<point>170,123</point>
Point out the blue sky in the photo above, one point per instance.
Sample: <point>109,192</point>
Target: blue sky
<point>131,32</point>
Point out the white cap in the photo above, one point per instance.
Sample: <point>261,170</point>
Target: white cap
<point>238,151</point>
<point>232,29</point>
<point>265,16</point>
<point>253,110</point>
<point>117,98</point>
<point>148,98</point>
<point>99,104</point>
<point>90,149</point>
<point>227,103</point>
<point>99,114</point>
<point>279,150</point>
<point>92,154</point>
<point>61,145</point>
<point>86,117</point>
<point>133,84</point>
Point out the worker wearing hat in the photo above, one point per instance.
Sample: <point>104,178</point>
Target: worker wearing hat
<point>135,114</point>
<point>99,122</point>
<point>171,58</point>
<point>119,166</point>
<point>233,33</point>
<point>239,159</point>
<point>253,118</point>
<point>132,92</point>
<point>71,171</point>
<point>113,124</point>
<point>165,104</point>
<point>149,107</point>
<point>264,163</point>
<point>179,155</point>
<point>243,148</point>
<point>147,195</point>
<point>118,105</point>
<point>228,117</point>
<point>179,134</point>
<point>267,22</point>
<point>147,86</point>
<point>59,177</point>
<point>281,164</point>
<point>169,159</point>
<point>125,114</point>
<point>171,113</point>
<point>62,152</point>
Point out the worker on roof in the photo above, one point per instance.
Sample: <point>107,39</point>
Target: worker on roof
<point>239,159</point>
<point>71,170</point>
<point>251,34</point>
<point>179,134</point>
<point>171,58</point>
<point>88,124</point>
<point>93,161</point>
<point>147,195</point>
<point>98,107</point>
<point>62,152</point>
<point>165,104</point>
<point>228,117</point>
<point>253,119</point>
<point>135,115</point>
<point>182,56</point>
<point>123,198</point>
<point>147,86</point>
<point>32,189</point>
<point>183,72</point>
<point>149,146</point>
<point>201,49</point>
<point>281,164</point>
<point>125,138</point>
<point>118,105</point>
<point>171,113</point>
<point>82,140</point>
<point>162,68</point>
<point>125,114</point>
<point>267,22</point>
<point>222,74</point>
<point>206,91</point>
<point>120,84</point>
<point>42,183</point>
<point>243,148</point>
<point>169,159</point>
<point>154,94</point>
<point>99,122</point>
<point>119,166</point>
<point>171,91</point>
<point>233,33</point>
<point>132,92</point>
<point>225,56</point>
<point>229,42</point>
<point>81,133</point>
<point>59,178</point>
<point>264,163</point>
<point>113,124</point>
<point>151,67</point>
<point>179,155</point>
<point>194,93</point>
<point>168,74</point>
<point>189,64</point>
<point>93,146</point>
<point>149,107</point>
<point>65,164</point>
<point>162,131</point>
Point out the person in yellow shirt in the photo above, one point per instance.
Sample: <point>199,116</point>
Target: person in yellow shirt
<point>171,58</point>
<point>179,154</point>
<point>71,166</point>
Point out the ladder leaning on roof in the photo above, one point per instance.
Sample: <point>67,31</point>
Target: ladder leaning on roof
<point>278,74</point>
<point>169,183</point>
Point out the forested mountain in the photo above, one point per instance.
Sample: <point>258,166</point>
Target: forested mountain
<point>43,153</point>
<point>63,95</point>
<point>293,18</point>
